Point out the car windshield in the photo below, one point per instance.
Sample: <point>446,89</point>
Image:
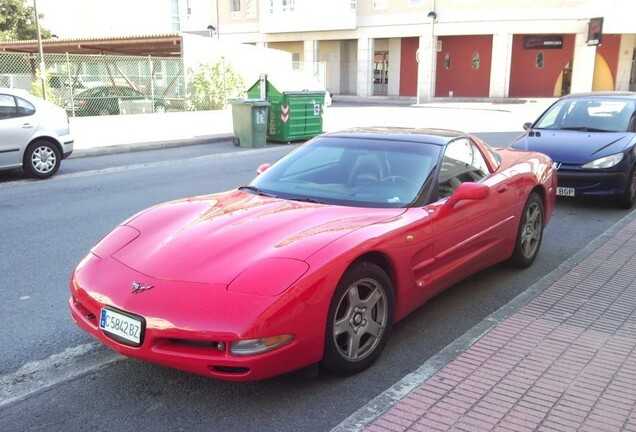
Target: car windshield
<point>351,172</point>
<point>590,115</point>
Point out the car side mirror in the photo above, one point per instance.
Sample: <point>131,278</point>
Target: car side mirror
<point>262,168</point>
<point>468,191</point>
<point>527,125</point>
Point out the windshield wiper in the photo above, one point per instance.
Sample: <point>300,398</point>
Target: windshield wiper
<point>257,191</point>
<point>306,199</point>
<point>584,129</point>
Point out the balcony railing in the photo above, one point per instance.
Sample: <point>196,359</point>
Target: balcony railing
<point>284,16</point>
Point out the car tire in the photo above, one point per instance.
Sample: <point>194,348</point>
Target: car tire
<point>629,197</point>
<point>360,319</point>
<point>41,159</point>
<point>529,233</point>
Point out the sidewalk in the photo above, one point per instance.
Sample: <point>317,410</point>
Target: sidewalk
<point>560,357</point>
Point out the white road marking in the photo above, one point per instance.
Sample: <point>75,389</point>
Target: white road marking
<point>37,376</point>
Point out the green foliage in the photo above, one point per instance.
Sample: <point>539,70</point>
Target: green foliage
<point>211,86</point>
<point>17,21</point>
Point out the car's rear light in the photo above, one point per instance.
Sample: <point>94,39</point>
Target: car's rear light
<point>82,102</point>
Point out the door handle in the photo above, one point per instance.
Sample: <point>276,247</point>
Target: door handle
<point>502,188</point>
<point>27,126</point>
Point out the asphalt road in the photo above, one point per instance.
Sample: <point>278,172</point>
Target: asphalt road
<point>48,226</point>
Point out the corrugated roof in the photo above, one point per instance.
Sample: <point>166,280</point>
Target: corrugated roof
<point>162,45</point>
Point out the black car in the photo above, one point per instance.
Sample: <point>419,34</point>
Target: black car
<point>591,137</point>
<point>115,99</point>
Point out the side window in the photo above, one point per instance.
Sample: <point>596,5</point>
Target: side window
<point>130,92</point>
<point>24,107</point>
<point>463,162</point>
<point>7,107</point>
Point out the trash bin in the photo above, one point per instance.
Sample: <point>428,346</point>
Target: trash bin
<point>250,118</point>
<point>294,114</point>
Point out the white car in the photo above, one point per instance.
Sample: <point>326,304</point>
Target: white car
<point>34,134</point>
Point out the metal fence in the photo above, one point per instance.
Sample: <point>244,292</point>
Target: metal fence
<point>109,84</point>
<point>100,84</point>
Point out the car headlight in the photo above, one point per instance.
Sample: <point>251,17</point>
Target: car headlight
<point>605,162</point>
<point>259,346</point>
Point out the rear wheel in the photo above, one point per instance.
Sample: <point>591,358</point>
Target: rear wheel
<point>530,233</point>
<point>359,321</point>
<point>41,159</point>
<point>629,197</point>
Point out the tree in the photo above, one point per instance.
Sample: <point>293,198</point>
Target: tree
<point>17,21</point>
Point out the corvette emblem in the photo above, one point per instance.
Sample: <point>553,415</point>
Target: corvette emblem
<point>138,287</point>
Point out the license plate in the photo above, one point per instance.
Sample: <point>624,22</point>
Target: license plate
<point>563,191</point>
<point>122,327</point>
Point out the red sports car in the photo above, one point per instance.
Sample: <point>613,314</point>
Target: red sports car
<point>317,258</point>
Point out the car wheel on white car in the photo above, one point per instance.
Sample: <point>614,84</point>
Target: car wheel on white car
<point>41,159</point>
<point>359,320</point>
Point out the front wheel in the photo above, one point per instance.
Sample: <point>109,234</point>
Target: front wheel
<point>359,321</point>
<point>41,159</point>
<point>629,197</point>
<point>530,233</point>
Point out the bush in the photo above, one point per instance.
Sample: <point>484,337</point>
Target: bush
<point>36,89</point>
<point>211,86</point>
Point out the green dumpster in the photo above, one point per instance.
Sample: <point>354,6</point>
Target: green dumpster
<point>249,118</point>
<point>294,114</point>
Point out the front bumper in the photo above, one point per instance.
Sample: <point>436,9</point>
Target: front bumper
<point>590,183</point>
<point>188,327</point>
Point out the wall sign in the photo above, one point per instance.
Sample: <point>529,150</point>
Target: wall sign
<point>595,31</point>
<point>543,42</point>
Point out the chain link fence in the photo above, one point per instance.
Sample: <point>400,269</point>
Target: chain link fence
<point>100,84</point>
<point>87,85</point>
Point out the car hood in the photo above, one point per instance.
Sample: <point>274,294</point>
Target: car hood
<point>211,239</point>
<point>574,147</point>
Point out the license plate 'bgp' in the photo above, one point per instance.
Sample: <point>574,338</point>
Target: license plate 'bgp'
<point>122,327</point>
<point>563,191</point>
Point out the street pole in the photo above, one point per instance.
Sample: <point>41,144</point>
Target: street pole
<point>218,29</point>
<point>40,50</point>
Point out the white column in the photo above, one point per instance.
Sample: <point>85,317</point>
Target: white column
<point>426,65</point>
<point>365,67</point>
<point>628,42</point>
<point>310,51</point>
<point>395,54</point>
<point>583,64</point>
<point>500,65</point>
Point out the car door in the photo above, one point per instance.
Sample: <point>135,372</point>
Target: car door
<point>473,233</point>
<point>17,126</point>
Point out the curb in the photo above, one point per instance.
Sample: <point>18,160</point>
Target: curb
<point>142,146</point>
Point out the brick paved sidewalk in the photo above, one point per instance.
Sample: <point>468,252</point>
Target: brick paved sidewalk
<point>565,361</point>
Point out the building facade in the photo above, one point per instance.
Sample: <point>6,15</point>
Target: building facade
<point>421,48</point>
<point>447,48</point>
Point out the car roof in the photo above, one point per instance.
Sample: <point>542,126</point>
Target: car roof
<point>422,135</point>
<point>15,91</point>
<point>607,94</point>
